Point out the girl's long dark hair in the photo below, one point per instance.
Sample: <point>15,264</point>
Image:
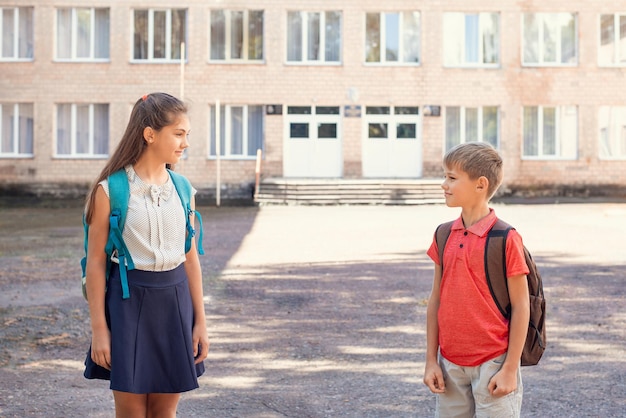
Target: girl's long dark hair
<point>155,110</point>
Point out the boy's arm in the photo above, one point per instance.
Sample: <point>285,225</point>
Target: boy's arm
<point>505,381</point>
<point>433,376</point>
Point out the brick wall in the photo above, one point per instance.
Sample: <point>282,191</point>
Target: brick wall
<point>511,86</point>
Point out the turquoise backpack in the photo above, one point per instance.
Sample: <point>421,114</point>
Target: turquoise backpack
<point>119,193</point>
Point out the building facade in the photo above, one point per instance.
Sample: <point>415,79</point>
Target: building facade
<point>345,89</point>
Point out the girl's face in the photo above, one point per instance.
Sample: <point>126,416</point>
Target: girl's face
<point>171,141</point>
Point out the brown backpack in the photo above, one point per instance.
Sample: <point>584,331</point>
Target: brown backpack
<point>495,270</point>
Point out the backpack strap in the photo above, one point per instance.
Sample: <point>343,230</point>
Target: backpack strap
<point>119,194</point>
<point>495,266</point>
<point>184,190</point>
<point>441,236</point>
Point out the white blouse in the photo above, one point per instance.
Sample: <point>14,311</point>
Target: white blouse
<point>155,227</point>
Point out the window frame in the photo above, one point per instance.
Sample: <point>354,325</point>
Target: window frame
<point>615,62</point>
<point>541,62</point>
<point>304,45</point>
<point>559,109</point>
<point>401,41</point>
<point>17,136</point>
<point>228,37</point>
<point>462,63</point>
<point>480,134</point>
<point>168,36</point>
<point>225,130</point>
<point>74,37</point>
<point>621,145</point>
<point>73,154</point>
<point>30,41</point>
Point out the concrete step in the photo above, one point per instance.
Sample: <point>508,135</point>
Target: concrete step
<point>349,192</point>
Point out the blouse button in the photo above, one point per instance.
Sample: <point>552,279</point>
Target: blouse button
<point>465,233</point>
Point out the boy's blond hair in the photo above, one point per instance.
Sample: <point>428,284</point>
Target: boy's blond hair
<point>477,159</point>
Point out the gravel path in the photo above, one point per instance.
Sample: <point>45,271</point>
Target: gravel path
<point>318,312</point>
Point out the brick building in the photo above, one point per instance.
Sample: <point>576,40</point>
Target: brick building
<point>348,89</point>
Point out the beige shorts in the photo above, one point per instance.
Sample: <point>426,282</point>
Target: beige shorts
<point>467,394</point>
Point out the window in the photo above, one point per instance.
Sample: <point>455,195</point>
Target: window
<point>471,39</point>
<point>16,33</point>
<point>158,34</point>
<point>401,119</point>
<point>550,132</point>
<point>314,37</point>
<point>549,39</point>
<point>612,40</point>
<point>236,35</point>
<point>392,38</point>
<point>612,122</point>
<point>16,129</point>
<point>472,124</point>
<point>241,131</point>
<point>82,34</point>
<point>82,130</point>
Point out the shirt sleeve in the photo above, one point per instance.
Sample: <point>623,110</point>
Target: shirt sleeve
<point>433,251</point>
<point>515,261</point>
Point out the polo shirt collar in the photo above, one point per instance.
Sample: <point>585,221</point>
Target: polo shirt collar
<point>480,228</point>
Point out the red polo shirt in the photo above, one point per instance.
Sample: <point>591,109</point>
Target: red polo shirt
<point>471,328</point>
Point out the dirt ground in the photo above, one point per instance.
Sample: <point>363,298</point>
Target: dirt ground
<point>318,312</point>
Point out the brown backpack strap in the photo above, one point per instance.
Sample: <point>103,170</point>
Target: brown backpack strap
<point>441,236</point>
<point>495,266</point>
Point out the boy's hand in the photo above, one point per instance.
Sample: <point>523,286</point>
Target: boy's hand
<point>433,378</point>
<point>503,383</point>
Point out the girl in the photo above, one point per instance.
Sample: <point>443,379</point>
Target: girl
<point>152,344</point>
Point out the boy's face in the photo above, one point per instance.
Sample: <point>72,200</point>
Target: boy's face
<point>460,190</point>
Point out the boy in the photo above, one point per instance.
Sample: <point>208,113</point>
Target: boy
<point>473,353</point>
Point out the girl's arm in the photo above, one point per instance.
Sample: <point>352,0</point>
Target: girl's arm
<point>96,281</point>
<point>194,273</point>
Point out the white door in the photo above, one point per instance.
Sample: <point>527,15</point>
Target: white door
<point>392,146</point>
<point>312,146</point>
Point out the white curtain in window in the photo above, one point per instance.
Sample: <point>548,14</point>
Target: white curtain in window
<point>218,35</point>
<point>101,33</point>
<point>236,35</point>
<point>531,38</point>
<point>568,38</point>
<point>531,131</point>
<point>64,129</point>
<point>453,126</point>
<point>6,128</point>
<point>83,33</point>
<point>411,37</point>
<point>8,32</point>
<point>333,36</point>
<point>255,129</point>
<point>471,124</point>
<point>453,34</point>
<point>141,35</point>
<point>101,129</point>
<point>549,137</point>
<point>236,130</point>
<point>178,33</point>
<point>26,128</point>
<point>313,35</point>
<point>159,34</point>
<point>568,140</point>
<point>294,36</point>
<point>64,33</point>
<point>26,32</point>
<point>490,35</point>
<point>82,129</point>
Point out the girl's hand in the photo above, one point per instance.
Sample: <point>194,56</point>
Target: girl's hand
<point>200,343</point>
<point>101,348</point>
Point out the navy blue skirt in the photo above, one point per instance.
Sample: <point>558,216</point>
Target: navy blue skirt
<point>151,341</point>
